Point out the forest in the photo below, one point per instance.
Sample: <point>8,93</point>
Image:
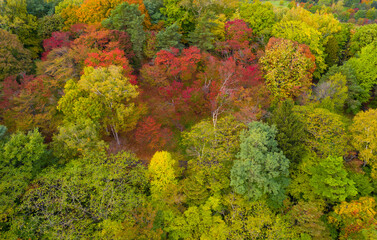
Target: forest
<point>188,119</point>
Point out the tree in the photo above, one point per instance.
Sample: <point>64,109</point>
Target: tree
<point>150,134</point>
<point>330,180</point>
<point>306,218</point>
<point>260,16</point>
<point>154,11</point>
<point>202,36</point>
<point>77,139</point>
<point>322,21</point>
<point>128,18</point>
<point>114,57</point>
<point>95,37</point>
<point>202,222</point>
<point>333,93</point>
<point>57,40</point>
<point>254,220</point>
<point>363,66</point>
<point>261,168</point>
<point>237,42</point>
<point>291,132</point>
<point>363,130</point>
<point>61,6</point>
<point>300,188</point>
<point>34,106</point>
<point>332,51</point>
<point>210,145</point>
<point>82,197</point>
<point>288,68</point>
<point>103,95</point>
<point>95,11</point>
<point>326,131</point>
<point>11,88</point>
<point>251,104</point>
<point>61,64</point>
<point>163,174</point>
<point>41,8</point>
<point>357,95</point>
<point>177,13</point>
<point>169,37</point>
<point>15,19</point>
<point>14,58</point>
<point>301,32</point>
<point>355,217</point>
<point>21,158</point>
<point>211,152</point>
<point>49,24</point>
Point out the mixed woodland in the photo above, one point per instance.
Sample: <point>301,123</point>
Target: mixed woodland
<point>188,119</point>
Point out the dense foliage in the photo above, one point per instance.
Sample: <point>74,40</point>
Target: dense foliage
<point>182,119</point>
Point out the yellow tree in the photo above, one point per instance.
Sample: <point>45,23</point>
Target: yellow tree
<point>323,22</point>
<point>94,11</point>
<point>288,68</point>
<point>103,95</point>
<point>162,171</point>
<point>364,133</point>
<point>326,131</point>
<point>354,217</point>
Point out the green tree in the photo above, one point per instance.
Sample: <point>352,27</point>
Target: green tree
<point>49,24</point>
<point>326,131</point>
<point>262,168</point>
<point>202,36</point>
<point>103,95</point>
<point>300,188</point>
<point>356,94</point>
<point>128,18</point>
<point>21,158</point>
<point>291,132</point>
<point>211,152</point>
<point>3,131</point>
<point>364,66</point>
<point>202,222</point>
<point>177,13</point>
<point>332,51</point>
<point>77,200</point>
<point>14,58</point>
<point>15,19</point>
<point>169,37</point>
<point>41,8</point>
<point>330,180</point>
<point>254,220</point>
<point>260,16</point>
<point>76,139</point>
<point>333,93</point>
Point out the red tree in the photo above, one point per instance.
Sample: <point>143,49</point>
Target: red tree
<point>149,133</point>
<point>237,42</point>
<point>57,40</point>
<point>96,37</point>
<point>113,57</point>
<point>11,87</point>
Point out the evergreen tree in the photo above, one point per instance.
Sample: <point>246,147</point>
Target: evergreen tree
<point>128,18</point>
<point>170,37</point>
<point>291,131</point>
<point>202,37</point>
